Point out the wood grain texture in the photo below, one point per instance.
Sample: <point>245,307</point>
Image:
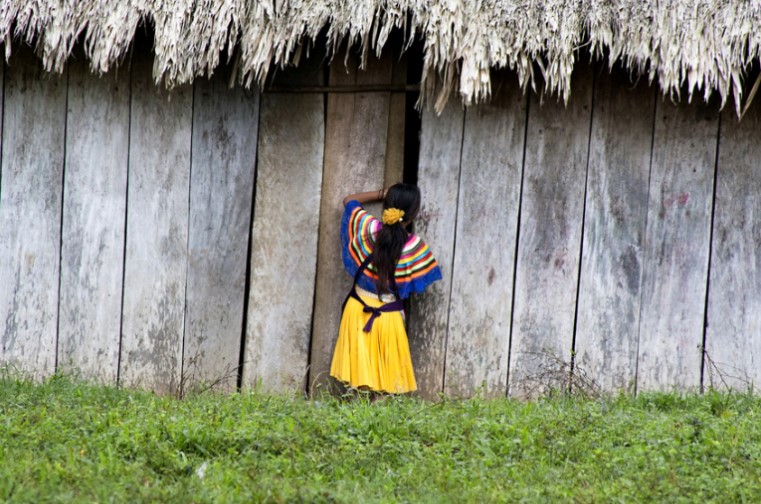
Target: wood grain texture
<point>396,125</point>
<point>550,235</point>
<point>157,234</point>
<point>733,346</point>
<point>484,257</point>
<point>675,274</point>
<point>225,123</point>
<point>355,149</point>
<point>31,189</point>
<point>284,241</point>
<point>607,329</point>
<point>439,180</point>
<point>95,202</point>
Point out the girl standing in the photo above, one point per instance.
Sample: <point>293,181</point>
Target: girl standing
<point>388,264</point>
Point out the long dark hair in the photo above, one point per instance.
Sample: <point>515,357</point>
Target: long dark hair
<point>391,238</point>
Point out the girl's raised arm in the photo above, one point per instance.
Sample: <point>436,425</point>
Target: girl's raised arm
<point>366,197</point>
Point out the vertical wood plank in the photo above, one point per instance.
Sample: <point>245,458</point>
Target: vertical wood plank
<point>439,180</point>
<point>95,202</point>
<point>734,297</point>
<point>31,189</point>
<point>225,123</point>
<point>355,148</point>
<point>550,234</point>
<point>607,329</point>
<point>284,241</point>
<point>733,348</point>
<point>157,233</point>
<point>677,240</point>
<point>396,125</point>
<point>733,322</point>
<point>484,257</point>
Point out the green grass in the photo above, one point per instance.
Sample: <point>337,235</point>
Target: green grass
<point>64,441</point>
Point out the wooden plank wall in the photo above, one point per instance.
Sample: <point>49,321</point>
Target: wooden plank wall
<point>677,245</point>
<point>439,180</point>
<point>733,346</point>
<point>283,235</point>
<point>156,254</point>
<point>549,246</point>
<point>613,199</point>
<point>614,232</point>
<point>284,242</point>
<point>34,125</point>
<point>225,131</point>
<point>95,203</point>
<point>478,334</point>
<point>165,240</point>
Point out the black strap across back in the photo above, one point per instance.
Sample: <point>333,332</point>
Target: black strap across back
<point>397,305</point>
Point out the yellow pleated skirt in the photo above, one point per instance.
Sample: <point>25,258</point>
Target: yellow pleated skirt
<point>379,360</point>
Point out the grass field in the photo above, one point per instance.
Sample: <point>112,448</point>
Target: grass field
<point>64,441</point>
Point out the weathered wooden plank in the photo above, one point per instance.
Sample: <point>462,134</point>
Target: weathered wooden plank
<point>396,125</point>
<point>95,203</point>
<point>281,297</point>
<point>550,234</point>
<point>354,162</point>
<point>439,178</point>
<point>31,189</point>
<point>677,240</point>
<point>607,328</point>
<point>225,123</point>
<point>733,346</point>
<point>484,259</point>
<point>157,234</point>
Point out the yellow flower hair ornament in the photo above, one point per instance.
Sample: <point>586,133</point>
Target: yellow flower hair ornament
<point>392,216</point>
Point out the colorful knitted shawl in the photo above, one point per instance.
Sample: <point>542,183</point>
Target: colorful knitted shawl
<point>416,269</point>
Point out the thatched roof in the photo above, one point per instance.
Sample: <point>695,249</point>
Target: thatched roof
<point>698,45</point>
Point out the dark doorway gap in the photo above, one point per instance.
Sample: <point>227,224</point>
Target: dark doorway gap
<point>412,116</point>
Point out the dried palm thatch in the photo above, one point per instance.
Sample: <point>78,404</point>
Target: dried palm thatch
<point>694,45</point>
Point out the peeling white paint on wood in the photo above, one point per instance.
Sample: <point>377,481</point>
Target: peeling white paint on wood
<point>438,178</point>
<point>31,189</point>
<point>355,149</point>
<point>675,273</point>
<point>607,330</point>
<point>550,235</point>
<point>484,257</point>
<point>157,234</point>
<point>284,241</point>
<point>225,123</point>
<point>733,345</point>
<point>95,202</point>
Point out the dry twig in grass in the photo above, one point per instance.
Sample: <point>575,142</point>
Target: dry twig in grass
<point>192,383</point>
<point>553,375</point>
<point>720,375</point>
